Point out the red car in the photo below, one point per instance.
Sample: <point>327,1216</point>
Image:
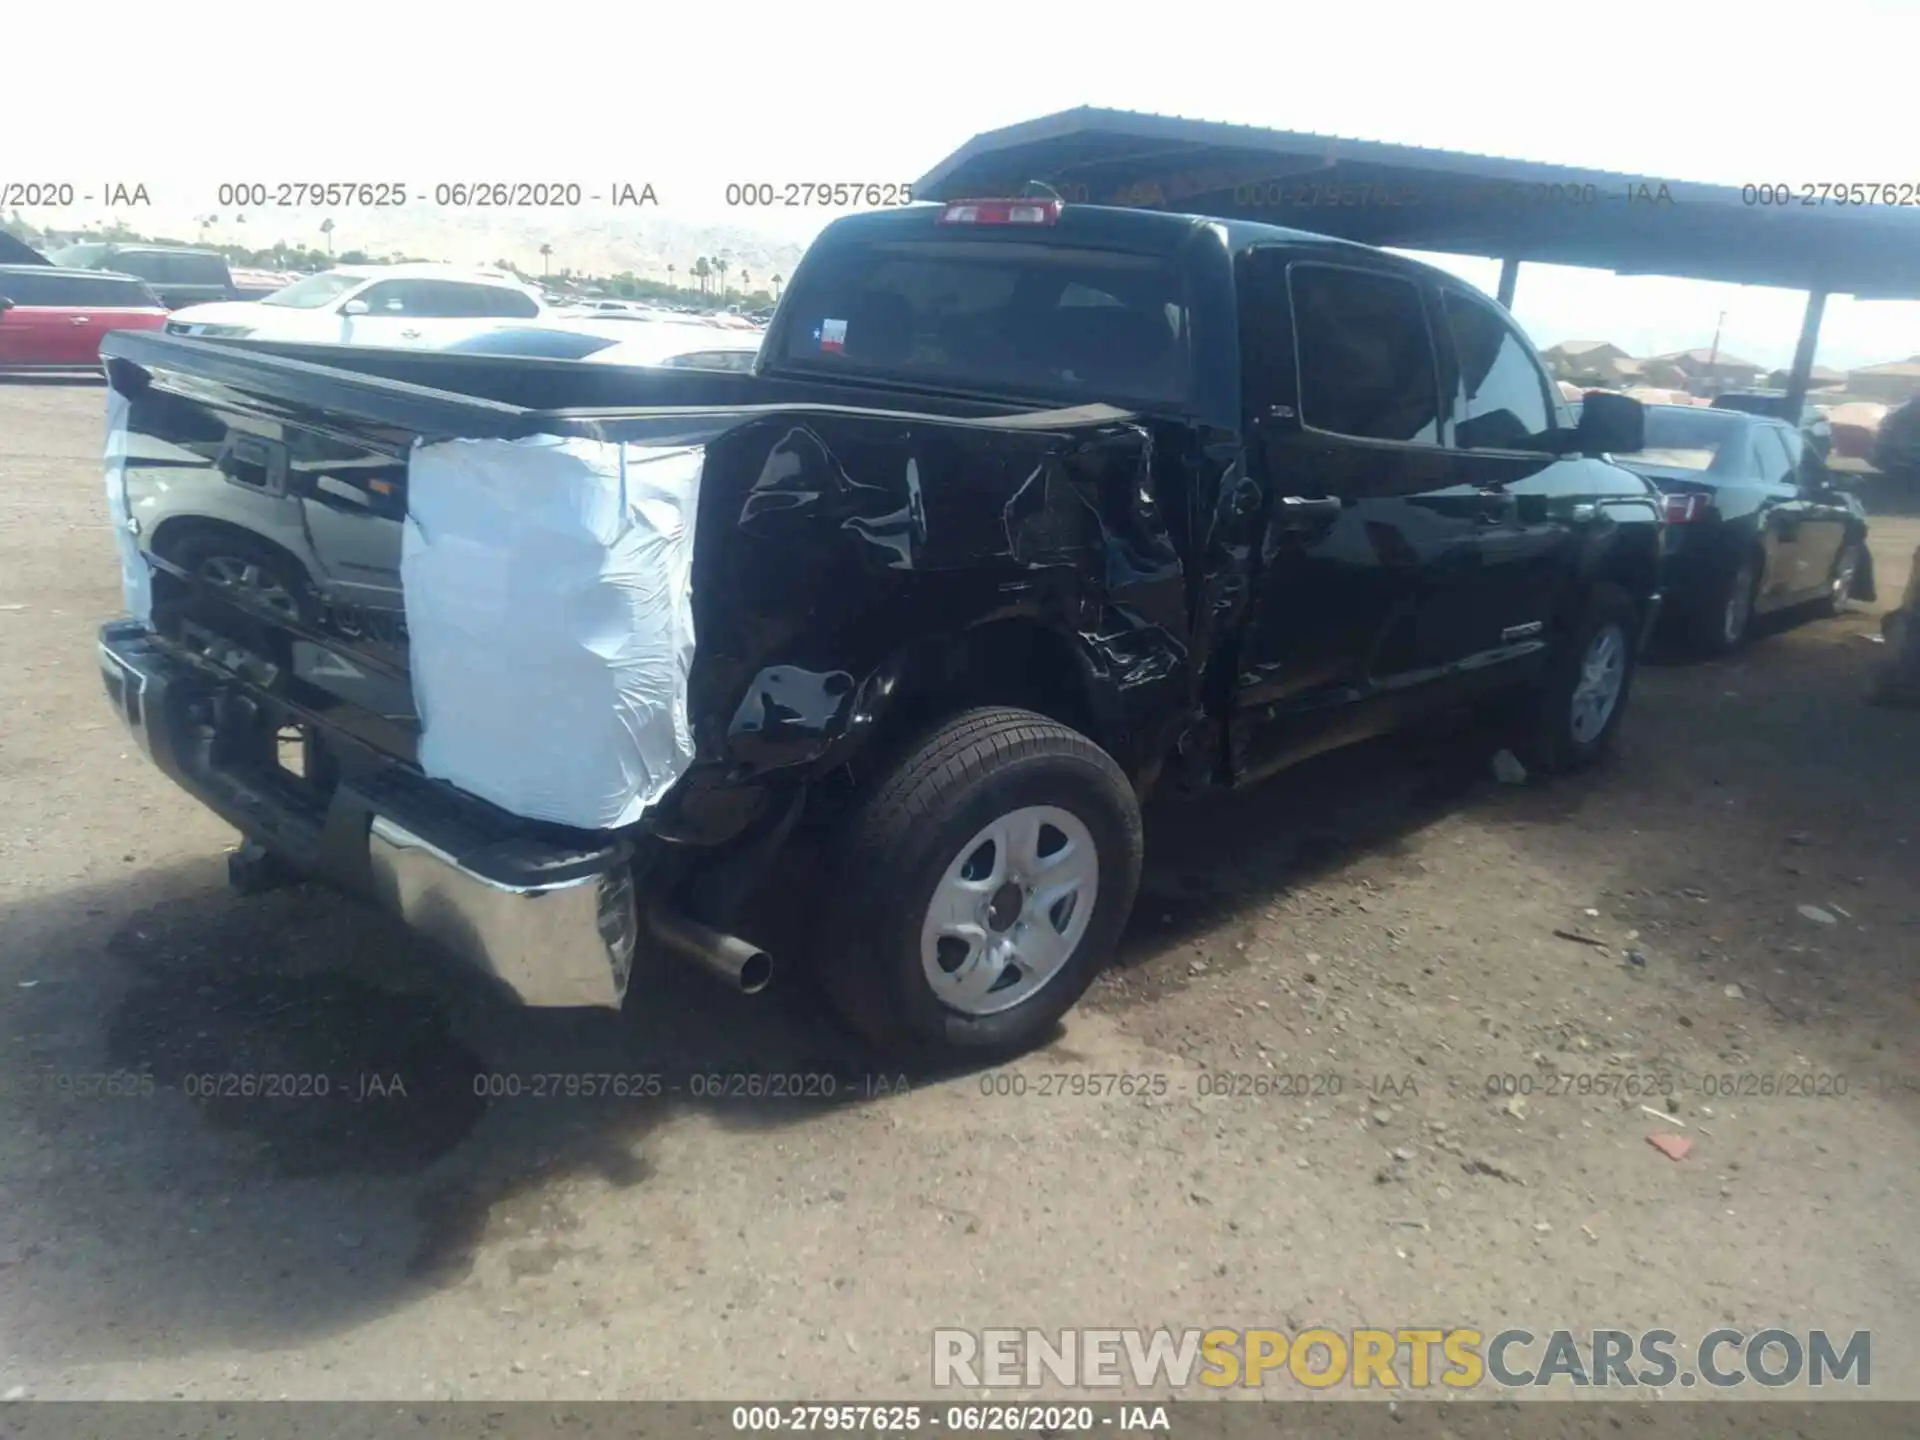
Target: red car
<point>51,320</point>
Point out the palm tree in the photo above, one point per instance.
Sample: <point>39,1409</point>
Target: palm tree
<point>546,254</point>
<point>777,283</point>
<point>670,284</point>
<point>326,229</point>
<point>206,222</point>
<point>701,270</point>
<point>722,264</point>
<point>746,282</point>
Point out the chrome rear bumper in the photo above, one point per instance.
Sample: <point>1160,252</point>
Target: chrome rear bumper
<point>556,924</point>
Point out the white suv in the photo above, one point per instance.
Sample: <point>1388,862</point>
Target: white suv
<point>385,305</point>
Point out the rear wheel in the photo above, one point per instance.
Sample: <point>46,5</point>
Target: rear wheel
<point>1724,618</point>
<point>981,885</point>
<point>1846,571</point>
<point>251,572</point>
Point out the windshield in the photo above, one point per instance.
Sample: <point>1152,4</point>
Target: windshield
<point>1683,438</point>
<point>314,291</point>
<point>1751,403</point>
<point>994,317</point>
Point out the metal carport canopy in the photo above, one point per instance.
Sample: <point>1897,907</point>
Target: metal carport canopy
<point>1414,198</point>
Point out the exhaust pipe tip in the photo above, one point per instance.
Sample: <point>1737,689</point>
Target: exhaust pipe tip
<point>741,964</point>
<point>756,973</point>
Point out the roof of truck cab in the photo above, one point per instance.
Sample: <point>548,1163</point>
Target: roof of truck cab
<point>1159,232</point>
<point>114,247</point>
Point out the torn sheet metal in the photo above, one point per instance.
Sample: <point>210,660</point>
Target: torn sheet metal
<point>136,577</point>
<point>549,605</point>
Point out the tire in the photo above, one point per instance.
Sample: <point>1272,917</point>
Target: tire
<point>1721,623</point>
<point>1846,571</point>
<point>275,581</point>
<point>1553,735</point>
<point>920,834</point>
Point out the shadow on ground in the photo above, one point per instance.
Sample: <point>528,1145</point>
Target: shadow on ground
<point>251,1120</point>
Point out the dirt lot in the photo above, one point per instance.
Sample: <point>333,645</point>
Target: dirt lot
<point>1382,924</point>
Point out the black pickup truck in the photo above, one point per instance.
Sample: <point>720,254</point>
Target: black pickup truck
<point>1028,512</point>
<point>178,275</point>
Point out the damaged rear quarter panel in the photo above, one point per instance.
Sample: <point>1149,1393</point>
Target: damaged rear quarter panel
<point>830,542</point>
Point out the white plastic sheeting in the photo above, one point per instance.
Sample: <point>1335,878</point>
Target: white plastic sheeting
<point>136,577</point>
<point>549,605</point>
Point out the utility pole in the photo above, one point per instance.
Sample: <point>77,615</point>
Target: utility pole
<point>1713,355</point>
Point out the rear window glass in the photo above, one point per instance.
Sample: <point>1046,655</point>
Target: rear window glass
<point>80,257</point>
<point>170,267</point>
<point>1050,321</point>
<point>1691,438</point>
<point>101,290</point>
<point>1751,404</point>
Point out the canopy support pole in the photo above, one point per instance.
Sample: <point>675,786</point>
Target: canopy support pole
<point>1803,354</point>
<point>1509,276</point>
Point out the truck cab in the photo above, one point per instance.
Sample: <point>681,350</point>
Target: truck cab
<point>1381,504</point>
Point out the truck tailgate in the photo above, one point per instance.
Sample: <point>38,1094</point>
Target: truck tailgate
<point>278,503</point>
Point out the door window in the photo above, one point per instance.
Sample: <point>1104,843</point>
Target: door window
<point>447,300</point>
<point>1364,354</point>
<point>147,264</point>
<point>1770,454</point>
<point>393,297</point>
<point>79,291</point>
<point>1502,402</point>
<point>29,289</point>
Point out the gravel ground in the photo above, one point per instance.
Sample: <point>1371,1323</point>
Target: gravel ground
<point>1389,924</point>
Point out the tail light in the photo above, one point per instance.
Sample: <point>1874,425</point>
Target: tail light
<point>1001,212</point>
<point>1685,509</point>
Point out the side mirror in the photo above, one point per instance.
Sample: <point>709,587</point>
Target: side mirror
<point>5,304</point>
<point>1610,424</point>
<point>354,307</point>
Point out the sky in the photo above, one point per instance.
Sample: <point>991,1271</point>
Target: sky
<point>690,99</point>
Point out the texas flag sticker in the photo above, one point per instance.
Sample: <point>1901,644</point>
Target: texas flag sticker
<point>832,335</point>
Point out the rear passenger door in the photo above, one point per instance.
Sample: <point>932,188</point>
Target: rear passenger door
<point>67,325</point>
<point>1532,502</point>
<point>1364,540</point>
<point>1827,519</point>
<point>1784,536</point>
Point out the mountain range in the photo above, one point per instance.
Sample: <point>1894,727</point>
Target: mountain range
<point>588,241</point>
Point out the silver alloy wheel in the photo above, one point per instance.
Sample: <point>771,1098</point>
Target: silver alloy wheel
<point>254,581</point>
<point>1739,612</point>
<point>1010,911</point>
<point>1844,574</point>
<point>1603,669</point>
